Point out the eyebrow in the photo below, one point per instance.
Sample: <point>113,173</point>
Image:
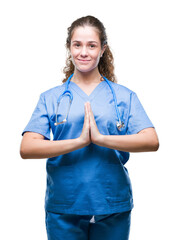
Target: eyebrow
<point>88,41</point>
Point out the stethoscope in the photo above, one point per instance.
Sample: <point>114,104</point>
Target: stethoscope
<point>67,92</point>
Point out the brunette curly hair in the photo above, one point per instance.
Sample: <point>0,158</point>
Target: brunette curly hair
<point>106,63</point>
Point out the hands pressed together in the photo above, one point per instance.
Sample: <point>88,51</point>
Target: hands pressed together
<point>90,132</point>
<point>35,146</point>
<point>145,140</point>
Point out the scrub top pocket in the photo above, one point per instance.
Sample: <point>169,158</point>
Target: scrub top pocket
<point>118,185</point>
<point>60,182</point>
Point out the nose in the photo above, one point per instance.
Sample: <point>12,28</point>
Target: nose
<point>84,52</point>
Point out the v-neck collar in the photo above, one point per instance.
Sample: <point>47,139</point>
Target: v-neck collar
<point>83,94</point>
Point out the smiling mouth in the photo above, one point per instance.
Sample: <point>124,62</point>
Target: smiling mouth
<point>83,60</point>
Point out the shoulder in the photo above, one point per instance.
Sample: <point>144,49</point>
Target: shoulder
<point>122,90</point>
<point>53,92</point>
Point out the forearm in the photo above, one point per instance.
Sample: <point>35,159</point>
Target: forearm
<point>40,148</point>
<point>130,143</point>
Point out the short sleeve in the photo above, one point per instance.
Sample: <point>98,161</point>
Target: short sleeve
<point>137,119</point>
<point>39,121</point>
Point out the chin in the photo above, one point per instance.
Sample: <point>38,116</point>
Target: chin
<point>85,69</point>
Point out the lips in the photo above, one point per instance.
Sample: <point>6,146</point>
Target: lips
<point>83,60</point>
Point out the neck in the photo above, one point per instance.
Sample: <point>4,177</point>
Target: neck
<point>86,77</point>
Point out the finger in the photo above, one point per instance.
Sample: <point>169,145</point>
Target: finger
<point>86,109</point>
<point>88,105</point>
<point>86,113</point>
<point>91,118</point>
<point>91,115</point>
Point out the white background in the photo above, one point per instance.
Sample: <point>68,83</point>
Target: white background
<point>144,38</point>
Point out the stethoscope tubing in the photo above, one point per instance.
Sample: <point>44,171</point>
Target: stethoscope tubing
<point>67,91</point>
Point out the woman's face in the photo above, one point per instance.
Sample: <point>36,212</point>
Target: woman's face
<point>85,48</point>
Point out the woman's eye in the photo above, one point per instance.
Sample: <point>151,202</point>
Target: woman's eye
<point>92,46</point>
<point>77,45</point>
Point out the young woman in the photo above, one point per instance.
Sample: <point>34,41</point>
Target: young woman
<point>95,124</point>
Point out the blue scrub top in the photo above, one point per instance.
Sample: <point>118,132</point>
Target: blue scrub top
<point>92,180</point>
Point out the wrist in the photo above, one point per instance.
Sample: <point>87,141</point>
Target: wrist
<point>100,140</point>
<point>81,142</point>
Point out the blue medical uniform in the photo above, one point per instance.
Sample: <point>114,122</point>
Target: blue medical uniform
<point>92,180</point>
<point>114,226</point>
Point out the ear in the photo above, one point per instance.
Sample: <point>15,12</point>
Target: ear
<point>103,49</point>
<point>69,54</point>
